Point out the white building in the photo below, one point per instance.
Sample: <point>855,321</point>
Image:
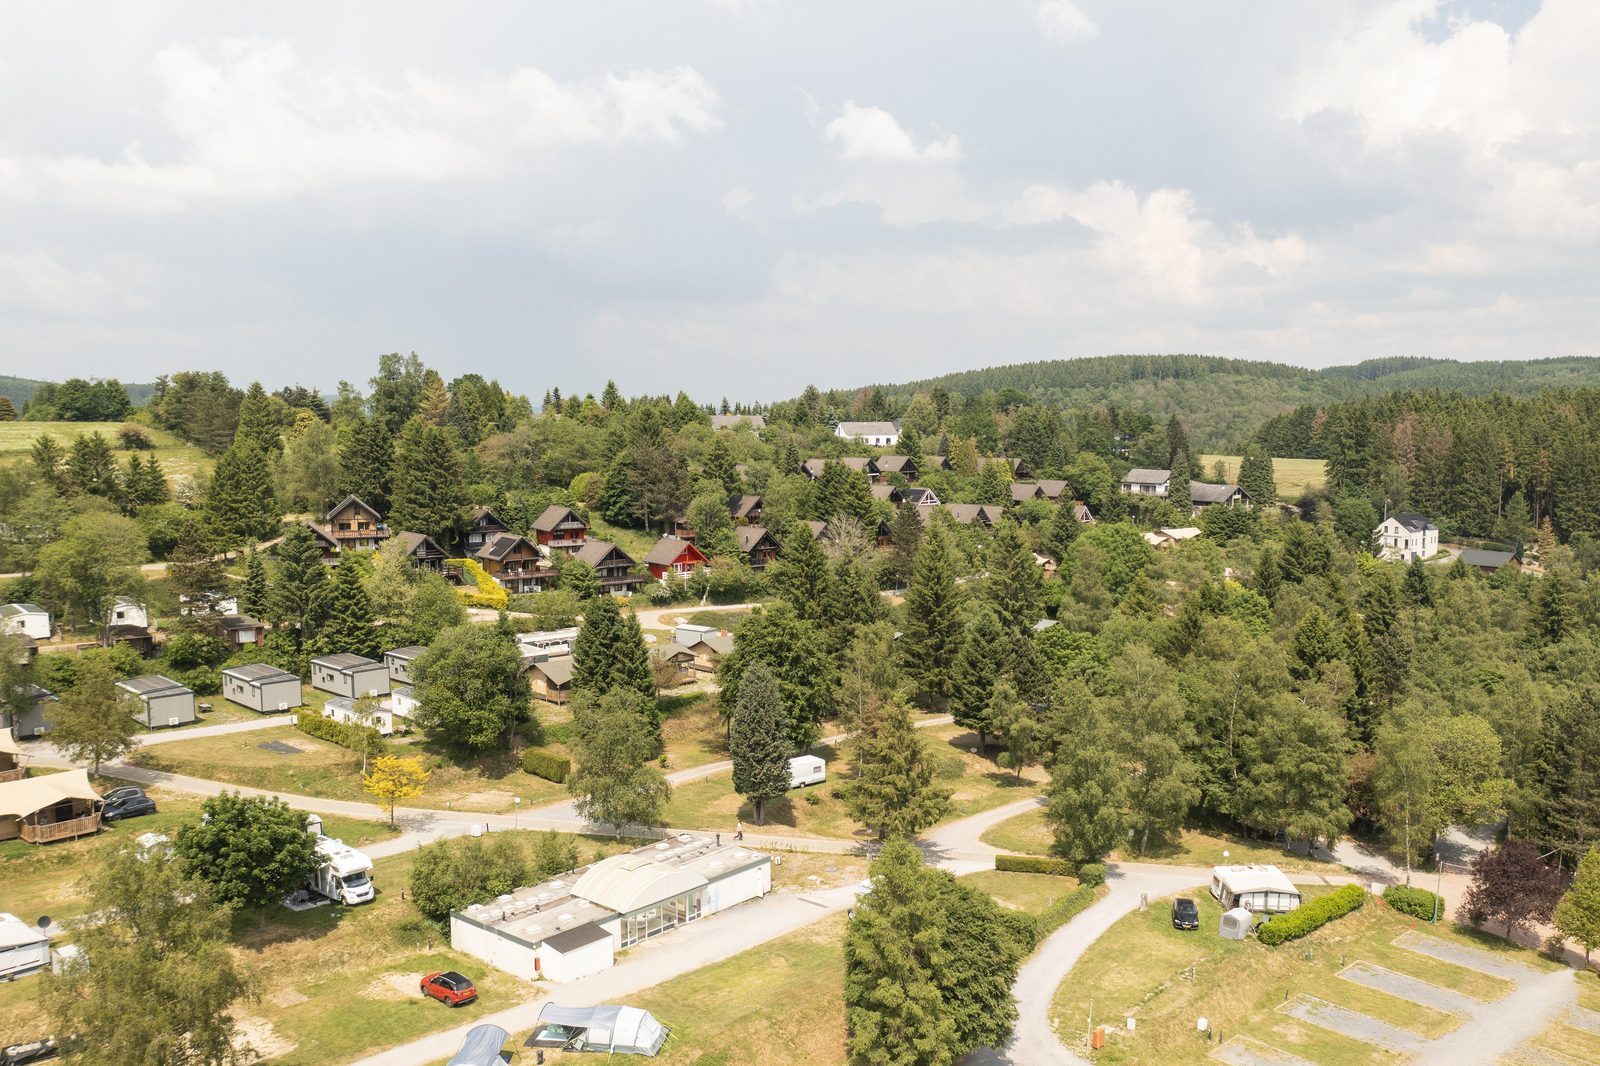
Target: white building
<point>23,948</point>
<point>25,618</point>
<point>342,709</point>
<point>877,434</point>
<point>127,612</point>
<point>1406,537</point>
<point>572,926</point>
<point>1142,482</point>
<point>1257,888</point>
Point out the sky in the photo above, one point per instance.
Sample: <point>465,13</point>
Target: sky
<point>741,197</point>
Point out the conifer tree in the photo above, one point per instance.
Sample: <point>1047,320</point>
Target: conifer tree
<point>1256,477</point>
<point>253,592</point>
<point>972,680</point>
<point>798,656</point>
<point>631,665</point>
<point>1577,916</point>
<point>1314,644</point>
<point>257,422</point>
<point>1014,586</point>
<point>800,574</point>
<point>1269,574</point>
<point>366,462</point>
<point>1017,727</point>
<point>1177,441</point>
<point>853,600</point>
<point>49,461</point>
<point>429,495</point>
<point>349,627</point>
<point>611,398</point>
<point>1553,614</point>
<point>906,535</point>
<point>241,506</point>
<point>434,403</point>
<point>8,411</point>
<point>593,652</point>
<point>994,483</point>
<point>759,742</point>
<point>1415,589</point>
<point>719,464</point>
<point>616,502</point>
<point>931,634</point>
<point>298,601</point>
<point>1178,488</point>
<point>92,466</point>
<point>895,792</point>
<point>1062,528</point>
<point>196,576</point>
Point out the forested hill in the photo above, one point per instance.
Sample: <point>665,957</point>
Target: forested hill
<point>21,390</point>
<point>1222,401</point>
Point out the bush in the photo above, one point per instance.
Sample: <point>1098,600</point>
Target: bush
<point>1309,917</point>
<point>133,438</point>
<point>1033,864</point>
<point>1065,909</point>
<point>451,875</point>
<point>354,737</point>
<point>546,764</point>
<point>1092,873</point>
<point>1417,902</point>
<point>489,592</point>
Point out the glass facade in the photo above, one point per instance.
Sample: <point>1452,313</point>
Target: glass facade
<point>668,914</point>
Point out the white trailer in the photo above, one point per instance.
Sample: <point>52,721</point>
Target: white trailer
<point>345,875</point>
<point>807,770</point>
<point>344,711</point>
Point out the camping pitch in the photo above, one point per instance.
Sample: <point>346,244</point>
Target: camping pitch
<point>605,1028</point>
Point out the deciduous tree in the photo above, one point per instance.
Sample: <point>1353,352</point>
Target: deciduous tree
<point>613,780</point>
<point>93,722</point>
<point>469,687</point>
<point>395,778</point>
<point>251,850</point>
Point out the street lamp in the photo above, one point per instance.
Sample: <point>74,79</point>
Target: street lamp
<point>516,812</point>
<point>1438,885</point>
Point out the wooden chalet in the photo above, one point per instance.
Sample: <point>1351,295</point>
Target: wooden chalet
<point>882,490</point>
<point>673,555</point>
<point>1023,491</point>
<point>812,468</point>
<point>921,496</point>
<point>744,509</point>
<point>551,679</point>
<point>1019,469</point>
<point>481,528</point>
<point>560,528</point>
<point>615,568</point>
<point>516,564</point>
<point>903,465</point>
<point>967,514</point>
<point>325,543</point>
<point>707,651</point>
<point>242,631</point>
<point>353,525</point>
<point>757,545</point>
<point>1054,488</point>
<point>424,553</point>
<point>935,462</point>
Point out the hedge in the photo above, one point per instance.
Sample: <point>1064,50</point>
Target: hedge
<point>546,764</point>
<point>354,737</point>
<point>1033,864</point>
<point>490,593</point>
<point>1309,917</point>
<point>1065,909</point>
<point>1417,902</point>
<point>1092,873</point>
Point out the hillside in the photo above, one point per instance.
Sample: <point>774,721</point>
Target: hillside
<point>21,390</point>
<point>1222,401</point>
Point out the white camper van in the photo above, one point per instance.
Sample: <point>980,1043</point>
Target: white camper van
<point>345,875</point>
<point>807,770</point>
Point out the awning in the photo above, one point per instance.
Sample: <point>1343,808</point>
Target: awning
<point>18,799</point>
<point>8,743</point>
<point>606,1028</point>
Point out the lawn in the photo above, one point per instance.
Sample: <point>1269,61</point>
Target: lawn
<point>177,458</point>
<point>1031,893</point>
<point>1027,834</point>
<point>1141,967</point>
<point>692,729</point>
<point>975,785</point>
<point>1293,476</point>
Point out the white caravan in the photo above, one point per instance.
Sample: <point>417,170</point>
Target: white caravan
<point>345,874</point>
<point>807,770</point>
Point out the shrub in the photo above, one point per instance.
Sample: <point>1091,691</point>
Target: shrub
<point>1309,917</point>
<point>133,438</point>
<point>812,799</point>
<point>546,764</point>
<point>1065,909</point>
<point>1033,864</point>
<point>451,875</point>
<point>1417,902</point>
<point>354,737</point>
<point>489,592</point>
<point>1092,873</point>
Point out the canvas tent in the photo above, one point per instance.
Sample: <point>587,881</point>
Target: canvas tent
<point>481,1047</point>
<point>1236,924</point>
<point>605,1028</point>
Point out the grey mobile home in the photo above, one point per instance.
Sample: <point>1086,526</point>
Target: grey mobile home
<point>400,660</point>
<point>261,687</point>
<point>162,701</point>
<point>33,721</point>
<point>350,675</point>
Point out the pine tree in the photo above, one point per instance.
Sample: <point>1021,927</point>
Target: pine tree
<point>1313,645</point>
<point>853,600</point>
<point>298,601</point>
<point>593,651</point>
<point>1553,613</point>
<point>758,742</point>
<point>972,680</point>
<point>895,791</point>
<point>92,466</point>
<point>49,462</point>
<point>1256,477</point>
<point>257,422</point>
<point>241,505</point>
<point>1178,488</point>
<point>366,462</point>
<point>800,574</point>
<point>631,665</point>
<point>1016,726</point>
<point>196,576</point>
<point>931,634</point>
<point>1577,916</point>
<point>253,592</point>
<point>1177,441</point>
<point>1063,527</point>
<point>1014,587</point>
<point>429,494</point>
<point>1415,589</point>
<point>798,656</point>
<point>616,502</point>
<point>434,404</point>
<point>8,411</point>
<point>994,483</point>
<point>349,627</point>
<point>719,466</point>
<point>906,537</point>
<point>611,399</point>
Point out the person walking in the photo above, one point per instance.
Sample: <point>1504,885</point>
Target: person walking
<point>738,829</point>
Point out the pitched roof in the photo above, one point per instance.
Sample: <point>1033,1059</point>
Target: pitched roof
<point>750,537</point>
<point>595,552</point>
<point>501,545</point>
<point>481,515</point>
<point>1205,492</point>
<point>740,506</point>
<point>716,642</point>
<point>870,429</point>
<point>416,542</point>
<point>557,669</point>
<point>235,622</point>
<point>19,609</point>
<point>407,653</point>
<point>667,550</point>
<point>1142,476</point>
<point>1493,560</point>
<point>153,685</point>
<point>1053,488</point>
<point>322,535</point>
<point>553,516</point>
<point>885,491</point>
<point>817,528</point>
<point>734,421</point>
<point>936,462</point>
<point>1022,491</point>
<point>894,464</point>
<point>347,501</point>
<point>1414,523</point>
<point>922,497</point>
<point>967,513</point>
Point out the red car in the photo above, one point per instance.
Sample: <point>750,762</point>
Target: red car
<point>450,988</point>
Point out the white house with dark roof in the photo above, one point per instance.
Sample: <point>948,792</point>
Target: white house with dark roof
<point>877,434</point>
<point>1406,537</point>
<point>1146,482</point>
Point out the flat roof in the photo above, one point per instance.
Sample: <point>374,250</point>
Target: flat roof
<point>537,912</point>
<point>410,651</point>
<point>344,661</point>
<point>260,673</point>
<point>153,685</point>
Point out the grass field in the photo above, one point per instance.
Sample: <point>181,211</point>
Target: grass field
<point>177,458</point>
<point>1294,476</point>
<point>1141,967</point>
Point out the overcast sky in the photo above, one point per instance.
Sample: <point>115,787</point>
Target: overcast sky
<point>742,196</point>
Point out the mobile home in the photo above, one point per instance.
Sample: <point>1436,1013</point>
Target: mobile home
<point>807,770</point>
<point>162,701</point>
<point>349,675</point>
<point>342,709</point>
<point>23,948</point>
<point>262,687</point>
<point>400,660</point>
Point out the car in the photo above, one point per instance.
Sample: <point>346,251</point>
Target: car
<point>126,802</point>
<point>450,988</point>
<point>1185,915</point>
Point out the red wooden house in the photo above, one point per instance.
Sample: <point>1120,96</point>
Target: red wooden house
<point>674,556</point>
<point>560,528</point>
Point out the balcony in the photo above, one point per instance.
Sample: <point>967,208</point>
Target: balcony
<point>48,832</point>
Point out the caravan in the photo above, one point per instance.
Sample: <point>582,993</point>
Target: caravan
<point>807,770</point>
<point>344,874</point>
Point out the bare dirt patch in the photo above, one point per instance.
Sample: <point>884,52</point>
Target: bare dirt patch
<point>394,986</point>
<point>258,1034</point>
<point>289,997</point>
<point>485,801</point>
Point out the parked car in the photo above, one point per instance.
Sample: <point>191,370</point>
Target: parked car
<point>1185,915</point>
<point>125,802</point>
<point>450,988</point>
<point>33,1051</point>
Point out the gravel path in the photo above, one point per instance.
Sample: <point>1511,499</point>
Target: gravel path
<point>1508,1025</point>
<point>1242,1051</point>
<point>1461,955</point>
<point>1538,1056</point>
<point>1583,1018</point>
<point>1409,988</point>
<point>1354,1024</point>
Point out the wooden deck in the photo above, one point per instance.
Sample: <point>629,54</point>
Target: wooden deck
<point>52,831</point>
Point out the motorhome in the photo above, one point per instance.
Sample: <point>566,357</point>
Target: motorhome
<point>345,874</point>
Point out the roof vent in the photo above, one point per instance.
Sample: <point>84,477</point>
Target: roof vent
<point>661,846</point>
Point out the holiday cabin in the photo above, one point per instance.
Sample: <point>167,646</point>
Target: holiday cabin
<point>560,529</point>
<point>614,567</point>
<point>516,564</point>
<point>352,524</point>
<point>483,525</point>
<point>757,545</point>
<point>674,556</point>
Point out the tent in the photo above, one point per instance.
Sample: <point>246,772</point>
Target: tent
<point>1236,924</point>
<point>603,1028</point>
<point>481,1047</point>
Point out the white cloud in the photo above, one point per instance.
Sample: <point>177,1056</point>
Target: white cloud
<point>36,283</point>
<point>1065,21</point>
<point>873,133</point>
<point>254,123</point>
<point>736,199</point>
